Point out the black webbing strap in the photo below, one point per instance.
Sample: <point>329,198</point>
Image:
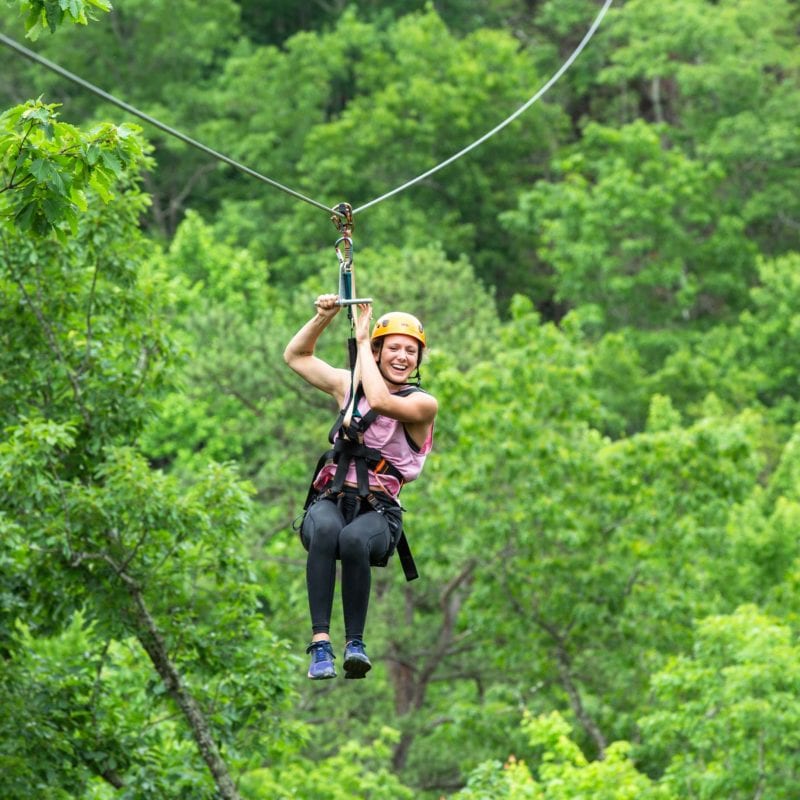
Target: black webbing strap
<point>352,353</point>
<point>312,492</point>
<point>406,559</point>
<point>349,447</point>
<point>344,451</point>
<point>359,424</point>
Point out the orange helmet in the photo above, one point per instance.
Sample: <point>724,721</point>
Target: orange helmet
<point>399,322</point>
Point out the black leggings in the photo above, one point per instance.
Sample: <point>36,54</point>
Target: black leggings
<point>330,531</point>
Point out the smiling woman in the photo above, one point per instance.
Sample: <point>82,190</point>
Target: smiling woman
<point>402,336</point>
<point>382,436</point>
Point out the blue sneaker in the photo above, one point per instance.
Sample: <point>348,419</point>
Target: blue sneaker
<point>356,662</point>
<point>321,667</point>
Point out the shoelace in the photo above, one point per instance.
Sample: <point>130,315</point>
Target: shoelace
<point>321,651</point>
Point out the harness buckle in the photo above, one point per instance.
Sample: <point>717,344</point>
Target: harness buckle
<point>373,501</point>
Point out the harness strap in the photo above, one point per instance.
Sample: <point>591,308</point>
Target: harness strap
<point>401,547</point>
<point>359,424</point>
<point>366,458</point>
<point>406,559</point>
<point>349,447</point>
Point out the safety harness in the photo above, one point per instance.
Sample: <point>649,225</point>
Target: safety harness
<point>348,447</point>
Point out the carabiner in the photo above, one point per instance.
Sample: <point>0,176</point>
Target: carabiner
<point>343,219</point>
<point>346,258</point>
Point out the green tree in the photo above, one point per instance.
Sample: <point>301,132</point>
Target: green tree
<point>634,228</point>
<point>563,773</point>
<point>725,716</point>
<point>139,556</point>
<point>357,769</point>
<point>725,76</point>
<point>237,400</point>
<point>596,487</point>
<point>747,361</point>
<point>184,43</point>
<point>428,94</point>
<point>547,547</point>
<point>279,21</point>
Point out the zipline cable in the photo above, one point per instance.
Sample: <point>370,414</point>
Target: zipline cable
<point>564,67</point>
<point>24,51</point>
<point>158,124</point>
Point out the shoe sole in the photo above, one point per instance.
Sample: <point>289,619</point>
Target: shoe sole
<point>324,677</point>
<point>355,668</point>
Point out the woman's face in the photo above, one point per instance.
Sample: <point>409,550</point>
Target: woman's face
<point>398,357</point>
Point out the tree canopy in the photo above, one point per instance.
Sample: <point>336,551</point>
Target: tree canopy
<point>606,528</point>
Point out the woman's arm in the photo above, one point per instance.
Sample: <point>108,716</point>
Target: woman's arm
<point>417,410</point>
<point>299,353</point>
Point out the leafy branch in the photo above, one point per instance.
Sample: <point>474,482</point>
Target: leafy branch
<point>49,14</point>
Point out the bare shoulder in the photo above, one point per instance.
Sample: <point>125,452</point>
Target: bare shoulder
<point>415,407</point>
<point>419,422</point>
<point>428,401</point>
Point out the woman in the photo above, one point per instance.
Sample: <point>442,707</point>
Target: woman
<point>355,516</point>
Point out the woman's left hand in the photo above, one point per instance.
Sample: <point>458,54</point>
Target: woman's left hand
<point>363,322</point>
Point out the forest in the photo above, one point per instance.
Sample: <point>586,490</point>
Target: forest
<point>607,528</point>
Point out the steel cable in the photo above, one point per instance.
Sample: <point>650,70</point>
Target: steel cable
<point>24,51</point>
<point>508,120</point>
<point>153,121</point>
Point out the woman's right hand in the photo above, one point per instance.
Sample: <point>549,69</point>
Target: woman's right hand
<point>326,305</point>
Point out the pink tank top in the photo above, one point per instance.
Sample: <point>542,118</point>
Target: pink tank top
<point>389,436</point>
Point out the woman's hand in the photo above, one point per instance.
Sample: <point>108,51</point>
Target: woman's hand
<point>363,322</point>
<point>326,305</point>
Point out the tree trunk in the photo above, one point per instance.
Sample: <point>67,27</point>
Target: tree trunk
<point>576,701</point>
<point>410,682</point>
<point>655,98</point>
<point>151,640</point>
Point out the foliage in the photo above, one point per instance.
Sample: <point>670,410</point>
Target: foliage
<point>358,769</point>
<point>606,528</point>
<point>49,166</point>
<point>743,360</point>
<point>135,554</point>
<point>564,773</point>
<point>49,14</point>
<point>725,715</point>
<point>725,76</point>
<point>634,228</point>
